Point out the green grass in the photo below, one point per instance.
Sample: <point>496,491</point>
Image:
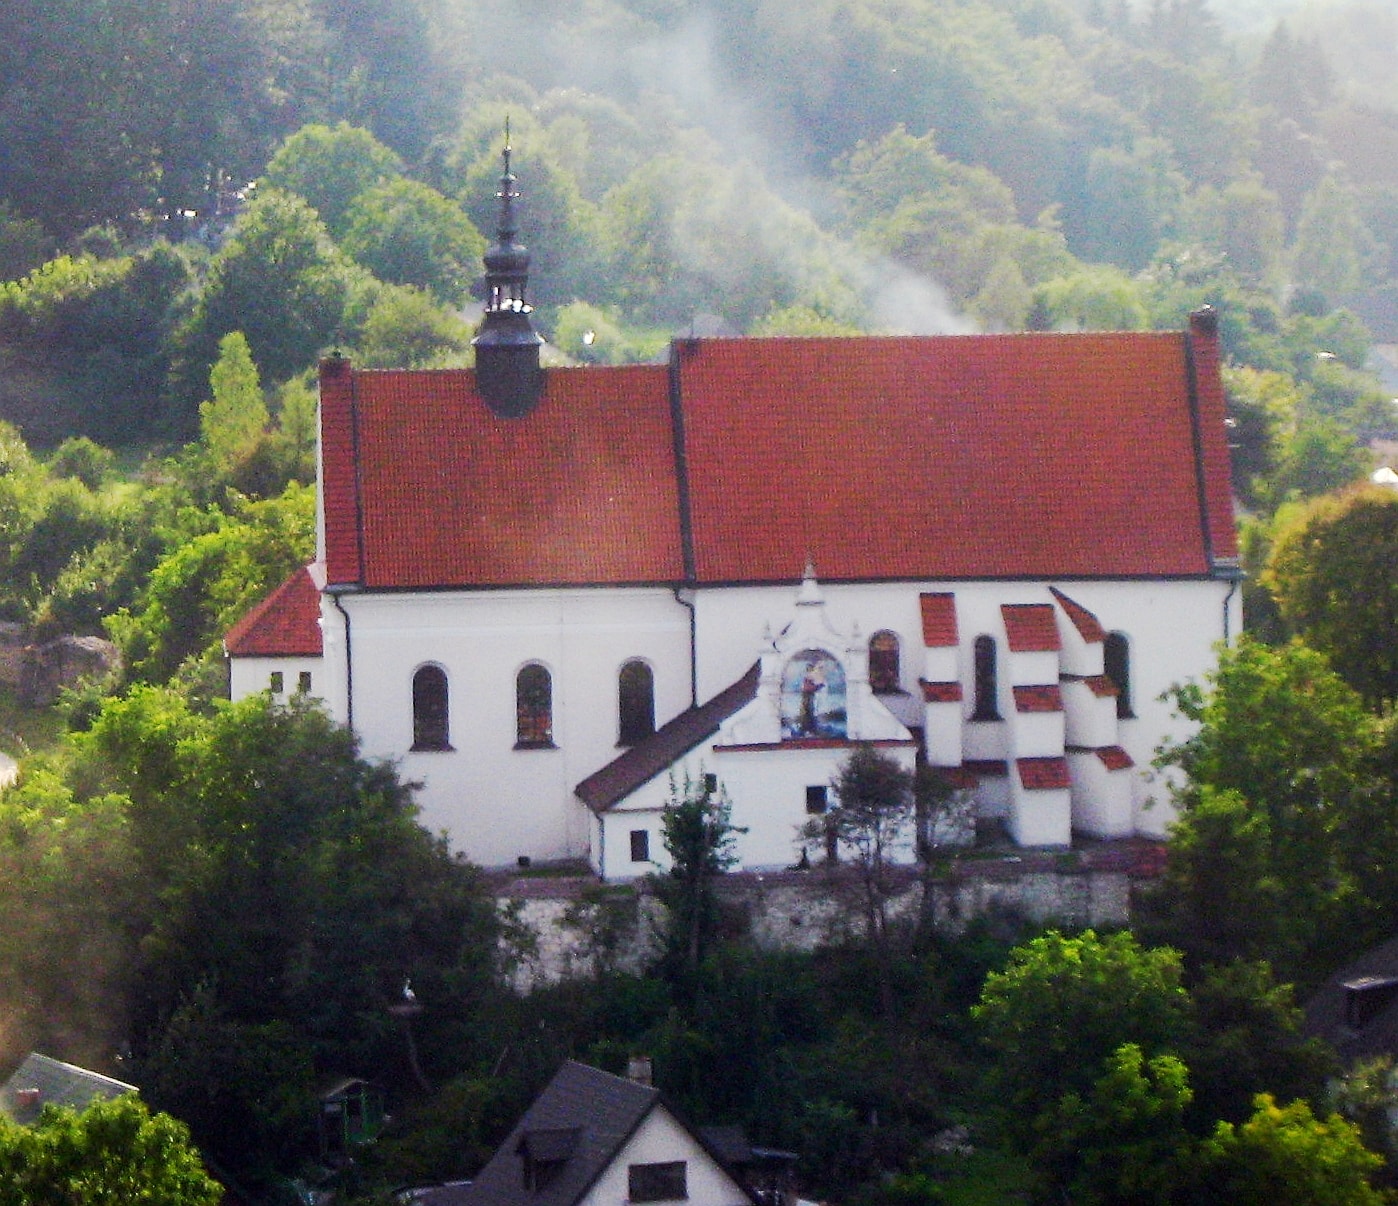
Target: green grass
<point>26,730</point>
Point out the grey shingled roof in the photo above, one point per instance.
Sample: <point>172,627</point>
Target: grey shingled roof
<point>584,1111</point>
<point>643,761</point>
<point>58,1084</point>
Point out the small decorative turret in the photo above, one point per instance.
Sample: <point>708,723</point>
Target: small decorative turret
<point>507,346</point>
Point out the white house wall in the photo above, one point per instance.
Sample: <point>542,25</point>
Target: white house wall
<point>499,803</point>
<point>660,1139</point>
<point>249,675</point>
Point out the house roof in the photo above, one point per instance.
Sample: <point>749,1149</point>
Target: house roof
<point>286,623</point>
<point>1088,625</point>
<point>583,1117</point>
<point>945,457</point>
<point>40,1080</point>
<point>1330,1014</point>
<point>646,759</point>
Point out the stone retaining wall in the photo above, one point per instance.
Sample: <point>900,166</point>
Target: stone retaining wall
<point>563,926</point>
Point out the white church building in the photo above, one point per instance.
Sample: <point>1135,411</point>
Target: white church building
<point>549,593</point>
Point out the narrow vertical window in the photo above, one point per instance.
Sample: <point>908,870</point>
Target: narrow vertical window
<point>303,682</point>
<point>987,680</point>
<point>534,708</point>
<point>885,674</point>
<point>430,729</point>
<point>640,846</point>
<point>1116,662</point>
<point>635,703</point>
<point>276,684</point>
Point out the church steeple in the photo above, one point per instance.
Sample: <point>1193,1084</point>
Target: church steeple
<point>507,346</point>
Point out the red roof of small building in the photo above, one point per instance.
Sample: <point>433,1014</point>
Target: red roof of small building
<point>948,457</point>
<point>1030,627</point>
<point>1113,757</point>
<point>286,623</point>
<point>939,629</point>
<point>940,692</point>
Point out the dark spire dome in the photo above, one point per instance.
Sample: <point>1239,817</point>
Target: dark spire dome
<point>507,346</point>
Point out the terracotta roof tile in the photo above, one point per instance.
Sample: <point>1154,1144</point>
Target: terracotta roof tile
<point>643,761</point>
<point>929,441</point>
<point>986,766</point>
<point>1115,758</point>
<point>1102,686</point>
<point>940,692</point>
<point>286,623</point>
<point>1088,626</point>
<point>962,778</point>
<point>939,620</point>
<point>1038,699</point>
<point>1043,774</point>
<point>581,490</point>
<point>1030,627</point>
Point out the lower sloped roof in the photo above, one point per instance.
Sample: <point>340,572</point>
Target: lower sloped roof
<point>643,761</point>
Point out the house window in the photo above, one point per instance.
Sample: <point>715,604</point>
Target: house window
<point>303,682</point>
<point>884,672</point>
<point>987,680</point>
<point>640,846</point>
<point>816,800</point>
<point>430,730</point>
<point>656,1182</point>
<point>278,683</point>
<point>710,782</point>
<point>1116,662</point>
<point>533,708</point>
<point>635,703</point>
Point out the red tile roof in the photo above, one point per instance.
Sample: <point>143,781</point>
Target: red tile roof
<point>1030,627</point>
<point>1102,686</point>
<point>986,766</point>
<point>1038,699</point>
<point>1043,774</point>
<point>1115,758</point>
<point>286,623</point>
<point>1088,626</point>
<point>952,457</point>
<point>939,620</point>
<point>582,490</point>
<point>940,692</point>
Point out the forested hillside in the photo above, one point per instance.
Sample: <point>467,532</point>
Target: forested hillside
<point>199,198</point>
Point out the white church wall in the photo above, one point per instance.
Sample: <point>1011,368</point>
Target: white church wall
<point>499,802</point>
<point>282,676</point>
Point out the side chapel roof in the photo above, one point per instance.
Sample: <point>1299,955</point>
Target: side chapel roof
<point>284,624</point>
<point>1096,455</point>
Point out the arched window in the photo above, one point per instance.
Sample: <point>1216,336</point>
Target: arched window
<point>533,708</point>
<point>430,728</point>
<point>1116,662</point>
<point>884,672</point>
<point>987,680</point>
<point>635,703</point>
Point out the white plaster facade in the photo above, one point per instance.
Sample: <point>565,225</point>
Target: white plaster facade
<point>660,1139</point>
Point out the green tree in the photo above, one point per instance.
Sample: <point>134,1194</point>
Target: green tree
<point>406,327</point>
<point>280,281</point>
<point>698,836</point>
<point>1062,1006</point>
<point>409,234</point>
<point>233,420</point>
<point>114,1153</point>
<point>1287,1154</point>
<point>329,166</point>
<point>1277,763</point>
<point>1331,572</point>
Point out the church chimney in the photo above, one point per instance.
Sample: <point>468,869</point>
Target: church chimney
<point>507,347</point>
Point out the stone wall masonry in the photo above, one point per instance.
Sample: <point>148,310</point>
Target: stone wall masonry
<point>563,926</point>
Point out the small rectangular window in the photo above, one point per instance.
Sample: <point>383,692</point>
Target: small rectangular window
<point>640,846</point>
<point>816,800</point>
<point>657,1182</point>
<point>278,682</point>
<point>303,682</point>
<point>710,782</point>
